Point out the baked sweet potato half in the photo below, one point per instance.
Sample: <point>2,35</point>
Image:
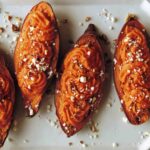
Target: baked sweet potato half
<point>79,86</point>
<point>36,54</point>
<point>132,71</point>
<point>7,99</point>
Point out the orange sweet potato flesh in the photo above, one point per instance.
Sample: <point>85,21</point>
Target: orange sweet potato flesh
<point>36,55</point>
<point>7,99</point>
<point>132,71</point>
<point>79,87</point>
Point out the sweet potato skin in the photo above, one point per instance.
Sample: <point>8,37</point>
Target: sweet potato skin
<point>132,71</point>
<point>7,100</point>
<point>36,55</point>
<point>79,86</point>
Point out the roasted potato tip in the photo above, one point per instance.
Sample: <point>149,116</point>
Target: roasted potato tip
<point>79,88</point>
<point>36,55</point>
<point>132,71</point>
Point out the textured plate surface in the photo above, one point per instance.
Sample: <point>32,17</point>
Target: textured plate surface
<point>41,132</point>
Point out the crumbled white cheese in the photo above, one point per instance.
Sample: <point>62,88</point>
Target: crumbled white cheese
<point>83,79</point>
<point>81,24</point>
<point>109,105</point>
<point>46,52</point>
<point>114,144</point>
<point>115,61</point>
<point>54,44</point>
<point>29,86</point>
<point>50,73</point>
<point>15,38</point>
<point>121,101</point>
<point>92,88</point>
<point>76,45</point>
<point>31,29</point>
<point>101,73</point>
<point>25,77</point>
<point>84,145</point>
<point>124,119</point>
<point>72,98</point>
<point>128,71</point>
<point>111,27</point>
<point>6,35</point>
<point>32,78</point>
<point>24,59</point>
<point>26,141</point>
<point>31,112</point>
<point>20,39</point>
<point>88,53</point>
<point>108,15</point>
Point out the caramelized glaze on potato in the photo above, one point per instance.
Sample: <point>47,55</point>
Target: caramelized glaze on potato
<point>36,54</point>
<point>7,99</point>
<point>79,87</point>
<point>132,71</point>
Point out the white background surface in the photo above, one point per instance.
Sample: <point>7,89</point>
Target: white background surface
<point>41,134</point>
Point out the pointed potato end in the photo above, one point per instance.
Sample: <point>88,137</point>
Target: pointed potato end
<point>130,17</point>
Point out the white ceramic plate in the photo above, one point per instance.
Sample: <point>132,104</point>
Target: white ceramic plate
<point>42,131</point>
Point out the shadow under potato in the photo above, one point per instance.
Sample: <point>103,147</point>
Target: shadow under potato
<point>65,38</point>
